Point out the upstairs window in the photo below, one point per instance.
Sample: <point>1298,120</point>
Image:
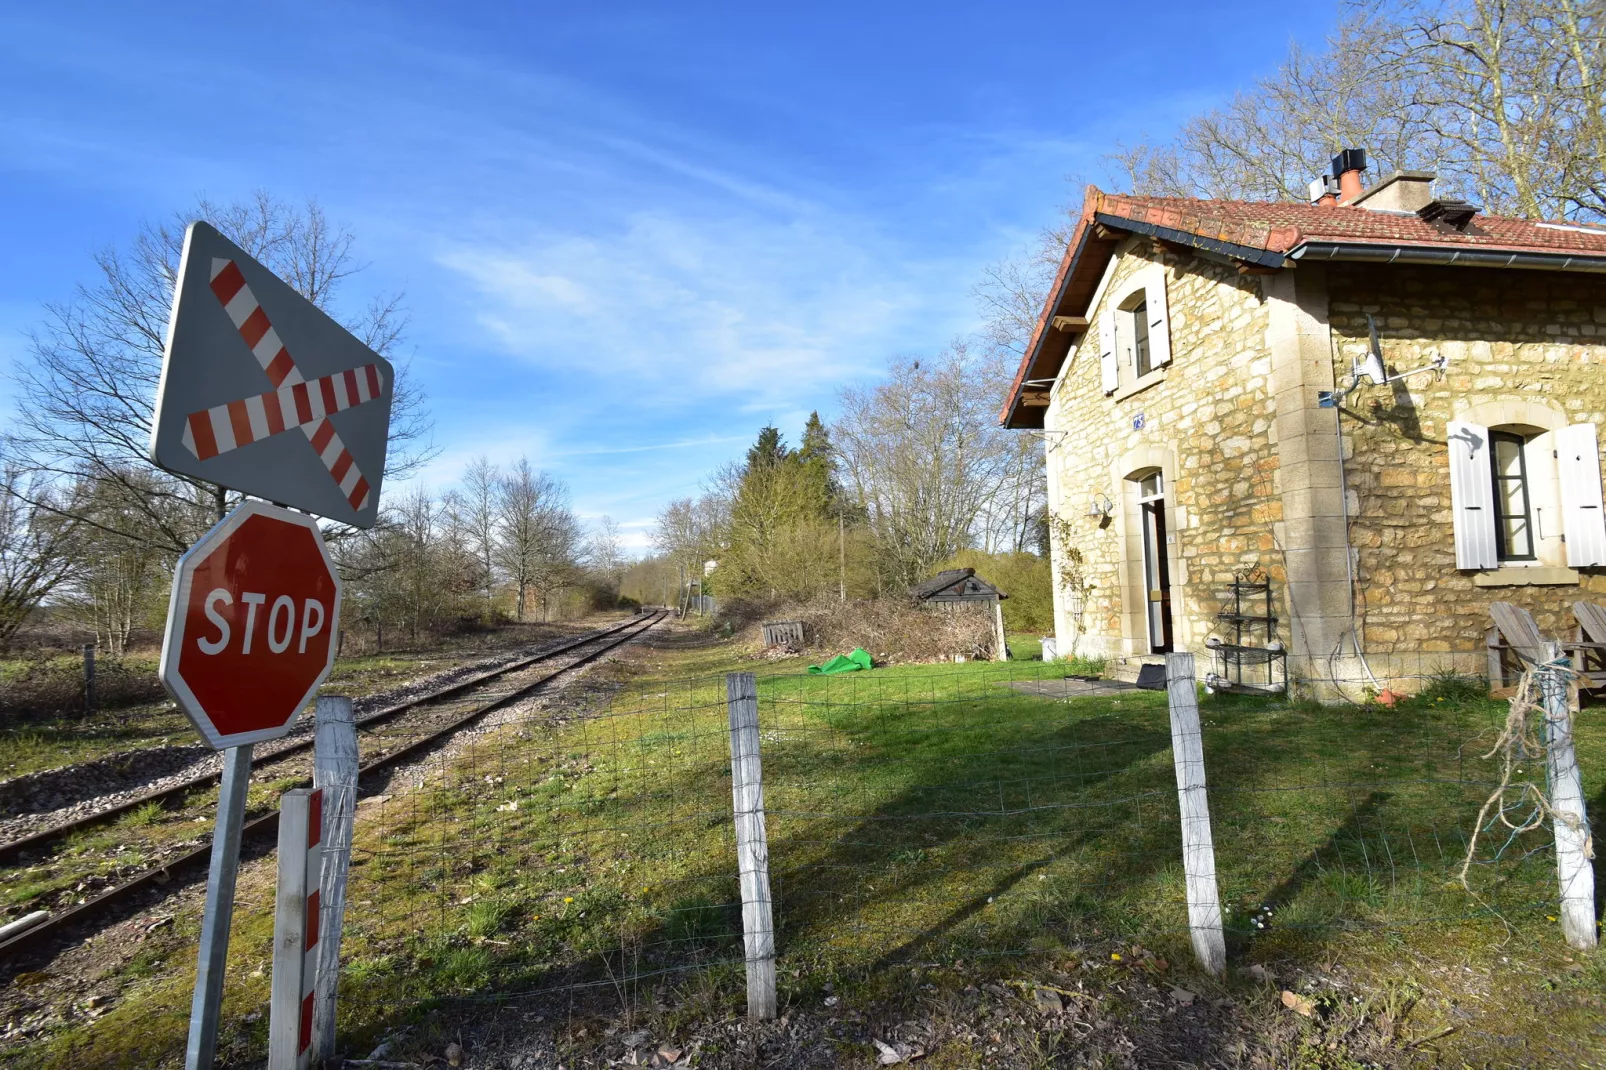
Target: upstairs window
<point>1134,331</point>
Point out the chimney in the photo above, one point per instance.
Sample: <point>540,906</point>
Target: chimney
<point>1347,166</point>
<point>1324,191</point>
<point>1403,191</point>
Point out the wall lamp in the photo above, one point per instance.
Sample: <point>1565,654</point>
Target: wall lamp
<point>1100,506</point>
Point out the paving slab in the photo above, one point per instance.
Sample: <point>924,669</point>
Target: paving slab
<point>1072,687</point>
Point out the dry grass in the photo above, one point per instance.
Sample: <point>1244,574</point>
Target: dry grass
<point>894,631</point>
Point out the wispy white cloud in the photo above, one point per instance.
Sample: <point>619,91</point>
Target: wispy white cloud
<point>729,306</point>
<point>653,447</point>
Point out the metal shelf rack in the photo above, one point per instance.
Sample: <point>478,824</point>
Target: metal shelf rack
<point>1246,591</point>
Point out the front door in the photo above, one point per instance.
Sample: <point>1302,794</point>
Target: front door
<point>1156,571</point>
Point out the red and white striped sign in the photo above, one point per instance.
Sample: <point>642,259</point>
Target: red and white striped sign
<point>240,423</point>
<point>296,929</point>
<point>294,402</point>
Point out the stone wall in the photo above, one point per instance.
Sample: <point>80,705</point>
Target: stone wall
<point>1517,342</point>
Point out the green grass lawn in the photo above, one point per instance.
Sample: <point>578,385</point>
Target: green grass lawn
<point>916,815</point>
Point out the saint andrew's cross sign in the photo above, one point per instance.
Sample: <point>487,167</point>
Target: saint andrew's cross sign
<point>264,393</point>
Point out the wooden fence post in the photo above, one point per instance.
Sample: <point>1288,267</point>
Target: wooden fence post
<point>1198,852</point>
<point>295,930</point>
<point>334,772</point>
<point>1574,873</point>
<point>752,844</point>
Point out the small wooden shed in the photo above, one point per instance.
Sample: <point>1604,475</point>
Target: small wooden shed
<point>957,586</point>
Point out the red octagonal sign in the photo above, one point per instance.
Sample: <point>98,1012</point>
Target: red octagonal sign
<point>251,625</point>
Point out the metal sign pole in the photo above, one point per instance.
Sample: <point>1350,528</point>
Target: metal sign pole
<point>208,1001</point>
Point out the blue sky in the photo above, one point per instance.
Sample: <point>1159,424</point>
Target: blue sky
<point>629,234</point>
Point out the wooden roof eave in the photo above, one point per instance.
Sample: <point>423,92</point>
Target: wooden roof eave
<point>1062,322</point>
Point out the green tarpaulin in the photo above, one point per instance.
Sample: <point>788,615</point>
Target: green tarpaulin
<point>850,663</point>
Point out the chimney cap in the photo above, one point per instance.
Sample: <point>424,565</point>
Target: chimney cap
<point>1449,213</point>
<point>1349,160</point>
<point>1323,187</point>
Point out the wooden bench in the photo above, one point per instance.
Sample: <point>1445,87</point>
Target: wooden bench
<point>1591,644</point>
<point>1515,633</point>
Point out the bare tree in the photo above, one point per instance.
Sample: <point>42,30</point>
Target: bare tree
<point>1012,291</point>
<point>537,534</point>
<point>88,387</point>
<point>37,538</point>
<point>1516,95</point>
<point>926,461</point>
<point>116,583</point>
<point>692,531</point>
<point>603,552</point>
<point>474,510</point>
<point>1504,99</point>
<point>412,572</point>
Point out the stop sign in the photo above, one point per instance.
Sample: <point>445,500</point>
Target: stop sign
<point>251,625</point>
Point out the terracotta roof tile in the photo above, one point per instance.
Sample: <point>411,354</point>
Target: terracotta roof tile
<point>1280,226</point>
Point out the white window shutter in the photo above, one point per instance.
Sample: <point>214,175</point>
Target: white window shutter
<point>1539,458</point>
<point>1472,496</point>
<point>1583,518</point>
<point>1107,369</point>
<point>1159,318</point>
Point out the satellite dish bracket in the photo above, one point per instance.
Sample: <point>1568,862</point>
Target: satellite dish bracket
<point>1374,370</point>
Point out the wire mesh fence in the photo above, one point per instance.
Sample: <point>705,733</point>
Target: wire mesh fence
<point>915,814</point>
<point>967,813</point>
<point>993,810</point>
<point>575,848</point>
<point>1362,813</point>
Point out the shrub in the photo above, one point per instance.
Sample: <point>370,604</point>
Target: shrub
<point>1082,665</point>
<point>1452,686</point>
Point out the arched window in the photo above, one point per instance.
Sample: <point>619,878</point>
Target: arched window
<point>1132,326</point>
<point>1513,496</point>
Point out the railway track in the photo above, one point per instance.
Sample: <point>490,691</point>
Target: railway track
<point>427,720</point>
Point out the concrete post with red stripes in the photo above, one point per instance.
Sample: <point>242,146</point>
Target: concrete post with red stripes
<point>295,929</point>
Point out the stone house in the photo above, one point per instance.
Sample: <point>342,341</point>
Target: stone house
<point>1206,377</point>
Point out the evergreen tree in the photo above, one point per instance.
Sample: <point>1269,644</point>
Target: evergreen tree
<point>817,458</point>
<point>782,528</point>
<point>769,451</point>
